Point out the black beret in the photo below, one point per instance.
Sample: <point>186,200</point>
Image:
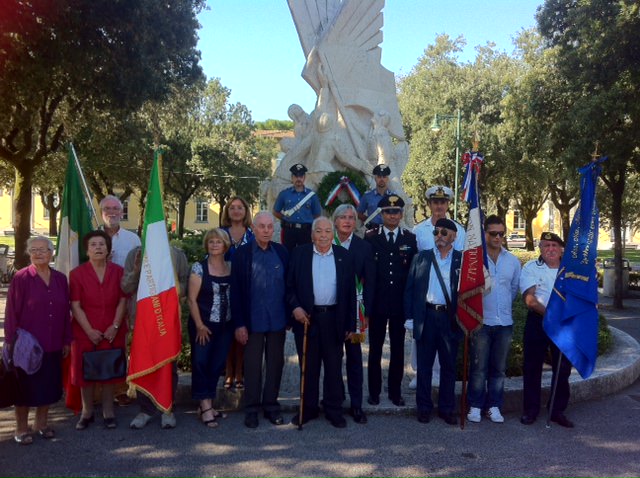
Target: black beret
<point>553,237</point>
<point>447,224</point>
<point>391,200</point>
<point>298,169</point>
<point>381,170</point>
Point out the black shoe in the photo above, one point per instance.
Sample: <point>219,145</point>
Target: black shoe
<point>274,417</point>
<point>251,420</point>
<point>110,423</point>
<point>398,402</point>
<point>424,417</point>
<point>338,421</point>
<point>527,419</point>
<point>307,417</point>
<point>373,400</point>
<point>562,420</point>
<point>449,418</point>
<point>84,422</point>
<point>358,415</point>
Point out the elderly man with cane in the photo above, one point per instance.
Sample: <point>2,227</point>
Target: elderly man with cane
<point>321,293</point>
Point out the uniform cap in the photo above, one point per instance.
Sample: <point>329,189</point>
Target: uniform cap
<point>439,192</point>
<point>298,169</point>
<point>391,201</point>
<point>381,170</point>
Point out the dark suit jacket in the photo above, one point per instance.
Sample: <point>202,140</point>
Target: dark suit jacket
<point>300,287</point>
<point>241,282</point>
<point>417,284</point>
<point>364,269</point>
<point>392,263</point>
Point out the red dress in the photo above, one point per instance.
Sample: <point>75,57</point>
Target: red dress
<point>99,302</point>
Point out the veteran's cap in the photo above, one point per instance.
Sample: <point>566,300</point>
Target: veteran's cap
<point>298,169</point>
<point>553,237</point>
<point>381,170</point>
<point>439,192</point>
<point>447,224</point>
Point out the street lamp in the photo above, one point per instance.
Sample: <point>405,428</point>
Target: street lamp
<point>435,126</point>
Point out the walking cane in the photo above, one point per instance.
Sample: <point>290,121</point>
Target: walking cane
<point>303,367</point>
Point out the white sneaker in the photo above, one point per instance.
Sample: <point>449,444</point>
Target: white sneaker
<point>140,421</point>
<point>168,420</point>
<point>474,415</point>
<point>495,415</point>
<point>414,383</point>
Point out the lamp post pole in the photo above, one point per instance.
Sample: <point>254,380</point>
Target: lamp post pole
<point>435,126</point>
<point>455,162</point>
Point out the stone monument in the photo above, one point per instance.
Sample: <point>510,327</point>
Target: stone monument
<point>356,122</point>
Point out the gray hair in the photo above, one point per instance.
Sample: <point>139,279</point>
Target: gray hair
<point>261,214</point>
<point>341,209</point>
<point>318,219</point>
<point>110,197</point>
<point>33,239</point>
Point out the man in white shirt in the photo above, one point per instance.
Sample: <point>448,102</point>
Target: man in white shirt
<point>490,344</point>
<point>122,241</point>
<point>536,284</point>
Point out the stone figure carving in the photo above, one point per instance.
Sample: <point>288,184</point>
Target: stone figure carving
<point>356,122</point>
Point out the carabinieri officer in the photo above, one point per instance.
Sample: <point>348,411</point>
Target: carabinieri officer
<point>297,207</point>
<point>370,199</point>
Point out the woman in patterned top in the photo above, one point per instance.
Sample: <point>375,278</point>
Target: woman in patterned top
<point>210,328</point>
<point>236,220</point>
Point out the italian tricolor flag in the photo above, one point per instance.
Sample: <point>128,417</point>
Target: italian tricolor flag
<point>156,335</point>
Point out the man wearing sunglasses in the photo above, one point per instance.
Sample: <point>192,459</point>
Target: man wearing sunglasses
<point>393,249</point>
<point>438,198</point>
<point>490,344</point>
<point>430,301</point>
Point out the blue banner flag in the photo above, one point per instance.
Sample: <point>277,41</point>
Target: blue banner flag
<point>571,319</point>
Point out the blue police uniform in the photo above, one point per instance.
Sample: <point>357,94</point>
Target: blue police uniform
<point>296,229</point>
<point>369,203</point>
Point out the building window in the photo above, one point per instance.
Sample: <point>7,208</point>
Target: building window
<point>518,220</point>
<point>125,210</point>
<point>202,210</point>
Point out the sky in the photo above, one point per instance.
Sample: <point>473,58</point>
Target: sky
<point>253,46</point>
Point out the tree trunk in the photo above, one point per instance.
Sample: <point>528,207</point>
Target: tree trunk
<point>529,217</point>
<point>22,224</point>
<point>141,206</point>
<point>49,202</point>
<point>617,189</point>
<point>182,207</point>
<point>566,220</point>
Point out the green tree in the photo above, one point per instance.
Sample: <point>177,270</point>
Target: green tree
<point>597,43</point>
<point>59,58</point>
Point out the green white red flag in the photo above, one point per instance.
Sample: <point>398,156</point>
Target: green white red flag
<point>75,221</point>
<point>156,335</point>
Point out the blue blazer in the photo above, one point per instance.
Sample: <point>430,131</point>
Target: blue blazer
<point>415,293</point>
<point>300,287</point>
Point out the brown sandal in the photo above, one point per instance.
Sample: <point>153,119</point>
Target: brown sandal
<point>208,423</point>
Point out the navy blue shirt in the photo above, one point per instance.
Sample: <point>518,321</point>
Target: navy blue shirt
<point>267,290</point>
<point>369,202</point>
<point>289,197</point>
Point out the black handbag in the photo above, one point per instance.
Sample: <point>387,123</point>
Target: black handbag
<point>99,365</point>
<point>8,385</point>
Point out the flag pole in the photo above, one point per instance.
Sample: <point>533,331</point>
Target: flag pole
<point>84,182</point>
<point>554,387</point>
<point>465,368</point>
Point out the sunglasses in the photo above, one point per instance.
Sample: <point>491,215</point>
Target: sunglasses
<point>442,231</point>
<point>395,210</point>
<point>495,233</point>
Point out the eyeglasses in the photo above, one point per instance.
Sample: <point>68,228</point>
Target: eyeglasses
<point>109,209</point>
<point>38,250</point>
<point>442,231</point>
<point>393,210</point>
<point>495,233</point>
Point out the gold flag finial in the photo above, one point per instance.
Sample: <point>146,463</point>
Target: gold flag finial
<point>595,155</point>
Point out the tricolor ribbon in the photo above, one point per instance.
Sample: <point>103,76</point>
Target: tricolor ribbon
<point>345,183</point>
<point>470,160</point>
<point>361,327</point>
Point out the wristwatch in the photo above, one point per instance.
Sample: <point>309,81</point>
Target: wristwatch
<point>116,326</point>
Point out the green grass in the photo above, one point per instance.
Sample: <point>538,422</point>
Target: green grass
<point>633,255</point>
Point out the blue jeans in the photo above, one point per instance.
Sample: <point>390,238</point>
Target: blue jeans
<point>489,349</point>
<point>208,361</point>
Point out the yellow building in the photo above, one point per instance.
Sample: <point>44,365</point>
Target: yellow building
<point>201,214</point>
